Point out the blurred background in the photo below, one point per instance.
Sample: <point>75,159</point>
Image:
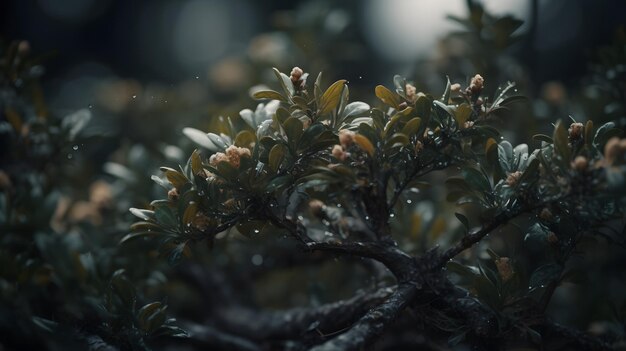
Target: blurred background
<point>144,69</point>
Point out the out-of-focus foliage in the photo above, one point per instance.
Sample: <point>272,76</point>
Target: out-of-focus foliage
<point>62,283</point>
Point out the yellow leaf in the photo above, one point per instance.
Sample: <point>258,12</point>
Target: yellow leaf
<point>177,179</point>
<point>268,94</point>
<point>490,142</point>
<point>416,225</point>
<point>331,98</point>
<point>588,132</point>
<point>388,97</point>
<point>196,162</point>
<point>190,213</point>
<point>364,143</point>
<point>438,228</point>
<point>462,113</point>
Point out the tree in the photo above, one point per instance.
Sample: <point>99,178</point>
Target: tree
<point>343,178</point>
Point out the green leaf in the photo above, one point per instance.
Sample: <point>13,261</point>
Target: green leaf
<point>505,156</point>
<point>227,171</point>
<point>151,316</point>
<point>45,324</point>
<point>218,141</point>
<point>446,93</point>
<point>171,331</point>
<point>285,82</point>
<point>534,336</point>
<point>175,254</point>
<point>200,138</point>
<point>355,109</point>
<point>176,178</point>
<point>412,126</point>
<point>486,291</point>
<point>460,269</point>
<point>462,114</point>
<point>545,275</point>
<point>530,171</point>
<point>536,237</point>
<point>317,90</point>
<point>456,338</point>
<point>122,287</point>
<point>561,146</point>
<point>165,215</point>
<point>278,183</point>
<point>269,94</point>
<point>543,137</point>
<point>463,220</point>
<point>276,157</point>
<point>282,114</point>
<point>294,130</point>
<point>146,215</point>
<point>330,100</point>
<point>137,235</point>
<point>245,138</point>
<point>300,102</point>
<point>476,179</point>
<point>140,226</point>
<point>396,140</point>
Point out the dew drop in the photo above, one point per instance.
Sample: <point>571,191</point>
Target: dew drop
<point>409,201</point>
<point>256,231</point>
<point>70,156</point>
<point>75,147</point>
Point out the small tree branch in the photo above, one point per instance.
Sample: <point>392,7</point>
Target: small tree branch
<point>471,239</point>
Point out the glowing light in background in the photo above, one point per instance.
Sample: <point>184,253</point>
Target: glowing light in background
<point>187,37</point>
<point>201,32</point>
<point>403,30</point>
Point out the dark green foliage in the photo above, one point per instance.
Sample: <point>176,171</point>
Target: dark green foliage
<point>452,235</point>
<point>60,285</point>
<point>332,174</point>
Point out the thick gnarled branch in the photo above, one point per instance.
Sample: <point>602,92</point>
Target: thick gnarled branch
<point>294,323</point>
<point>373,323</point>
